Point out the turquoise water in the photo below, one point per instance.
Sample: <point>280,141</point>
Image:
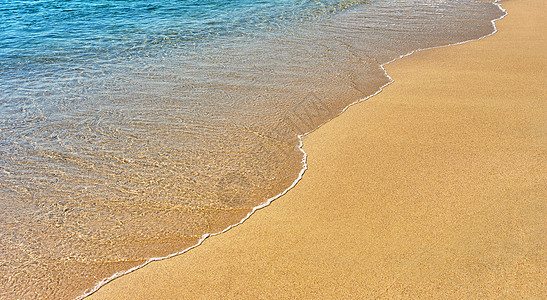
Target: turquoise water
<point>128,129</point>
<point>74,29</point>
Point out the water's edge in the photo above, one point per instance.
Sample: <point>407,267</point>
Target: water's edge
<point>303,161</point>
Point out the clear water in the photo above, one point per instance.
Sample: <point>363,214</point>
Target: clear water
<point>128,129</point>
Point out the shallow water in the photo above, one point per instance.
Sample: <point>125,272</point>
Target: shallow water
<point>128,129</point>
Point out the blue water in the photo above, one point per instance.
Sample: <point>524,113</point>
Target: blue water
<point>50,39</point>
<point>128,129</point>
<point>49,31</point>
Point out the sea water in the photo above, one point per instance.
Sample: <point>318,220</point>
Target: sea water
<point>129,129</point>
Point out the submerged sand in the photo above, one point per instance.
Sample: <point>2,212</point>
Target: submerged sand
<point>434,188</point>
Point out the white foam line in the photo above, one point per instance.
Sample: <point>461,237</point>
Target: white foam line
<point>304,163</point>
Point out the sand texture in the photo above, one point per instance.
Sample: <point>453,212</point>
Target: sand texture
<point>434,188</point>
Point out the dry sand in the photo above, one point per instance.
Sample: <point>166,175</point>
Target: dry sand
<point>434,188</point>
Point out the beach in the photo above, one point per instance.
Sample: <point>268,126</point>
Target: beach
<point>434,188</point>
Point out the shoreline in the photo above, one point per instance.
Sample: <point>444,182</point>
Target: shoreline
<point>303,161</point>
<point>135,281</point>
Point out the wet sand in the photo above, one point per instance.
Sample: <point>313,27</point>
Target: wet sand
<point>434,188</point>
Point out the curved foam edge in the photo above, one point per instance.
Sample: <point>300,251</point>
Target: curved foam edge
<point>304,162</point>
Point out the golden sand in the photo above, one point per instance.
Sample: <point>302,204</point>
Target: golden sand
<point>434,188</point>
